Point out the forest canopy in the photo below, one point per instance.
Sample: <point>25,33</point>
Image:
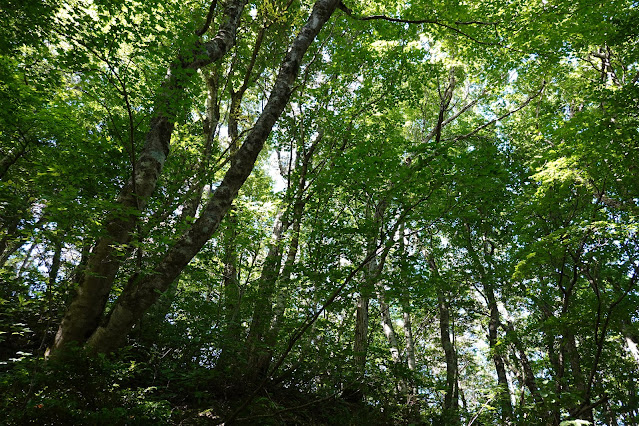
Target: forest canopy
<point>319,212</point>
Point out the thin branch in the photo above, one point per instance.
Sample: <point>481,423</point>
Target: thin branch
<point>349,13</point>
<point>501,117</point>
<point>209,19</point>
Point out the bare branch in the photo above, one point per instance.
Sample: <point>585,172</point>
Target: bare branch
<point>349,13</point>
<point>501,117</point>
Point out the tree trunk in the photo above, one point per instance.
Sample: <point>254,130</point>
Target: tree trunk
<point>276,280</point>
<point>389,332</point>
<point>211,122</point>
<point>137,297</point>
<point>582,409</point>
<point>85,252</point>
<point>529,376</point>
<point>485,276</point>
<point>55,265</point>
<point>14,155</point>
<point>410,342</point>
<point>354,392</point>
<point>451,404</point>
<point>451,397</point>
<point>259,353</point>
<point>54,270</point>
<point>500,366</point>
<point>283,291</point>
<point>631,340</point>
<point>412,400</point>
<point>231,300</point>
<point>387,323</point>
<point>83,315</point>
<point>299,202</point>
<point>557,361</point>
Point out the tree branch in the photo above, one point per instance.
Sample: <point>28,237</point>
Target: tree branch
<point>209,18</point>
<point>349,12</point>
<point>501,117</point>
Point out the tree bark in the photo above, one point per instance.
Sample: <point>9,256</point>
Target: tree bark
<point>299,203</point>
<point>355,391</point>
<point>412,401</point>
<point>582,409</point>
<point>255,353</point>
<point>137,297</point>
<point>55,264</point>
<point>389,332</point>
<point>54,270</point>
<point>283,291</point>
<point>410,341</point>
<point>411,398</point>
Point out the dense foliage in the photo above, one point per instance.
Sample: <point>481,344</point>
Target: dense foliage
<point>319,212</point>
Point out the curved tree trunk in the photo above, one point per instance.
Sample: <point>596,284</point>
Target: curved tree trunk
<point>83,315</point>
<point>138,296</point>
